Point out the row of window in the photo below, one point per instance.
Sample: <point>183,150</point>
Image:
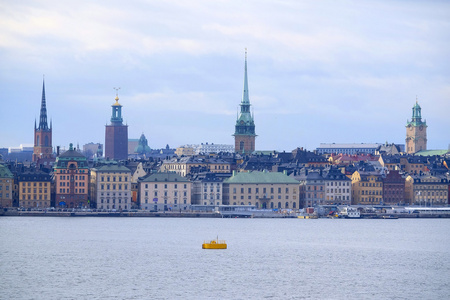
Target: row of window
<point>336,183</point>
<point>264,190</point>
<point>175,186</point>
<point>249,197</point>
<point>34,190</point>
<point>264,205</point>
<point>175,201</point>
<point>72,177</point>
<point>119,178</point>
<point>75,171</point>
<point>63,190</point>
<point>175,193</point>
<point>114,186</point>
<point>113,200</point>
<point>35,197</point>
<point>337,191</point>
<point>35,183</point>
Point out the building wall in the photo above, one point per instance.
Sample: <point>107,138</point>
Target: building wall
<point>6,192</point>
<point>268,196</point>
<point>42,144</point>
<point>165,195</point>
<point>244,143</point>
<point>337,191</point>
<point>394,189</point>
<point>72,186</point>
<point>116,142</point>
<point>367,190</point>
<point>34,194</point>
<point>211,193</point>
<point>430,191</point>
<point>416,138</point>
<point>112,190</point>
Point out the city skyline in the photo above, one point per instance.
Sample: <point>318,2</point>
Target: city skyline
<point>317,72</point>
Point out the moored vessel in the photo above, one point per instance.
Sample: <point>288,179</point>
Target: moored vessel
<point>214,244</point>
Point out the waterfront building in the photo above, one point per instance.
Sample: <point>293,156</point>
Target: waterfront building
<point>34,189</point>
<point>416,131</point>
<point>71,175</point>
<point>111,186</point>
<point>164,191</point>
<point>349,149</point>
<point>262,190</point>
<point>211,190</point>
<point>312,187</point>
<point>367,188</point>
<point>6,186</point>
<point>394,188</point>
<point>244,135</point>
<point>185,165</point>
<point>430,190</point>
<point>338,187</point>
<point>116,135</point>
<point>42,134</point>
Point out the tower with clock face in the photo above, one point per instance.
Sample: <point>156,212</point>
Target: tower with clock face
<point>416,132</point>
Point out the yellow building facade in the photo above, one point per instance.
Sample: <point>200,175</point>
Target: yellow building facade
<point>34,190</point>
<point>367,188</point>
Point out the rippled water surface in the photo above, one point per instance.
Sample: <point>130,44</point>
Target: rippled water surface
<point>161,258</point>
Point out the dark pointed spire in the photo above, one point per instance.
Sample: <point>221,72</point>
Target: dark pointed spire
<point>43,117</point>
<point>245,95</point>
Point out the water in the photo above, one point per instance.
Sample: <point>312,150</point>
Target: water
<point>160,258</point>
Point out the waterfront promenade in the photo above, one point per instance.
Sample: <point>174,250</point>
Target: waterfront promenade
<point>13,212</point>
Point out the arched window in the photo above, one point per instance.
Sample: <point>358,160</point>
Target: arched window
<point>271,205</point>
<point>287,205</point>
<point>241,145</point>
<point>37,140</point>
<point>294,205</point>
<point>279,204</point>
<point>46,141</point>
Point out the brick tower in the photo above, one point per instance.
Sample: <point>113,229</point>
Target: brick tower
<point>116,135</point>
<point>43,133</point>
<point>244,135</point>
<point>416,132</point>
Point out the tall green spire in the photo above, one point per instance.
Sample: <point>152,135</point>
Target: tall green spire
<point>245,96</point>
<point>245,124</point>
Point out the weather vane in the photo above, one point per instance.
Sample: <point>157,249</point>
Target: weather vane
<point>117,91</point>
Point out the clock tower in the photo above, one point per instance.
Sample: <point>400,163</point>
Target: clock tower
<point>416,132</point>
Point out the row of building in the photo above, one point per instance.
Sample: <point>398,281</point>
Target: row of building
<point>272,181</point>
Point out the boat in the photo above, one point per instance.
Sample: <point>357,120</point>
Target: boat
<point>214,244</point>
<point>389,217</point>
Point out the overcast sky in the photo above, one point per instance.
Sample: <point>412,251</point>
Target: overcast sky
<point>318,71</point>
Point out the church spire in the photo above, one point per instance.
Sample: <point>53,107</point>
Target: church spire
<point>245,95</point>
<point>43,117</point>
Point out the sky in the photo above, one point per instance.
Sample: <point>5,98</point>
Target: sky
<point>318,71</point>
